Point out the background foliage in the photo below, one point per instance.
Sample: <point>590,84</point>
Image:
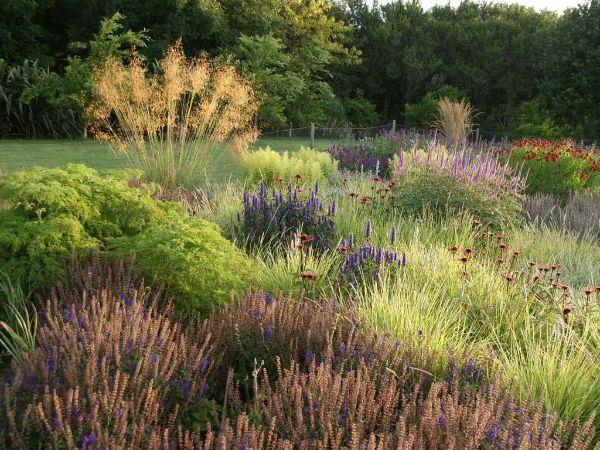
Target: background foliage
<point>324,60</point>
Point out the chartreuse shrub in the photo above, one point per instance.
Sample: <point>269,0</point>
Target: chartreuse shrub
<point>49,216</point>
<point>270,166</point>
<point>191,258</point>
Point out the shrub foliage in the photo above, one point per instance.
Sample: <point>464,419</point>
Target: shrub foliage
<point>50,215</point>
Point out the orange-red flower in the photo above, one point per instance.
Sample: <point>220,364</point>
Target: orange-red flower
<point>308,276</point>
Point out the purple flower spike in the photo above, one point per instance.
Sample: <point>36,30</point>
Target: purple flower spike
<point>368,229</point>
<point>202,366</point>
<point>393,236</point>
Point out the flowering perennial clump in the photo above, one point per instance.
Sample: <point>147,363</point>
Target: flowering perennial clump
<point>557,168</point>
<point>468,165</point>
<point>366,261</point>
<point>113,369</point>
<point>272,217</point>
<point>360,157</point>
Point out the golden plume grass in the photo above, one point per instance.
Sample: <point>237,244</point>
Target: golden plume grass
<point>455,119</point>
<point>173,122</point>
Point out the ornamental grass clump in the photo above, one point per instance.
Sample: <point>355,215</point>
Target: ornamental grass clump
<point>455,119</point>
<point>111,369</point>
<point>273,168</point>
<point>274,218</point>
<point>580,212</point>
<point>173,122</point>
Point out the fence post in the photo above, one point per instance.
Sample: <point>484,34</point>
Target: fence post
<point>394,126</point>
<point>290,133</point>
<point>312,135</point>
<point>477,136</point>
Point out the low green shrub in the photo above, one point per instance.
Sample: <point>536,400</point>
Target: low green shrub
<point>48,216</point>
<point>443,195</point>
<point>191,259</point>
<point>306,164</point>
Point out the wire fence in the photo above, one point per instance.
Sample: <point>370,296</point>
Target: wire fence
<point>319,136</point>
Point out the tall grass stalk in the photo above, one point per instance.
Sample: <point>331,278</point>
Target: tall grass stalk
<point>172,123</point>
<point>506,328</point>
<point>455,119</point>
<point>18,326</point>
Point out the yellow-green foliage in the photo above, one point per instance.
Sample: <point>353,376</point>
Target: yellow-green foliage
<point>50,215</point>
<point>191,259</point>
<point>267,165</point>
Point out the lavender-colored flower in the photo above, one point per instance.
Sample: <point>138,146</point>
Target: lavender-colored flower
<point>268,332</point>
<point>442,420</point>
<point>368,229</point>
<point>268,299</point>
<point>393,236</point>
<point>202,365</point>
<point>493,433</point>
<point>89,439</point>
<point>309,356</point>
<point>274,218</point>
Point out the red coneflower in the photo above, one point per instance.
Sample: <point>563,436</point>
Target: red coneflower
<point>453,249</point>
<point>469,251</point>
<point>375,179</point>
<point>516,253</point>
<point>308,276</point>
<point>354,194</point>
<point>343,248</point>
<point>464,260</point>
<point>476,223</point>
<point>306,238</point>
<point>499,262</point>
<point>502,247</point>
<point>279,179</point>
<point>298,176</point>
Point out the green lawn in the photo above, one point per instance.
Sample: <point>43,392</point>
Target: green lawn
<point>18,154</point>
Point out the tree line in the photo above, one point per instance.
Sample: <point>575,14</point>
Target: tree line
<point>526,72</point>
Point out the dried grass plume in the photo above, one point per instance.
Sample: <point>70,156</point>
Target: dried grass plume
<point>172,122</point>
<point>455,119</point>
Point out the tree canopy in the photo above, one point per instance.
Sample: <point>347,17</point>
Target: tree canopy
<point>525,71</point>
